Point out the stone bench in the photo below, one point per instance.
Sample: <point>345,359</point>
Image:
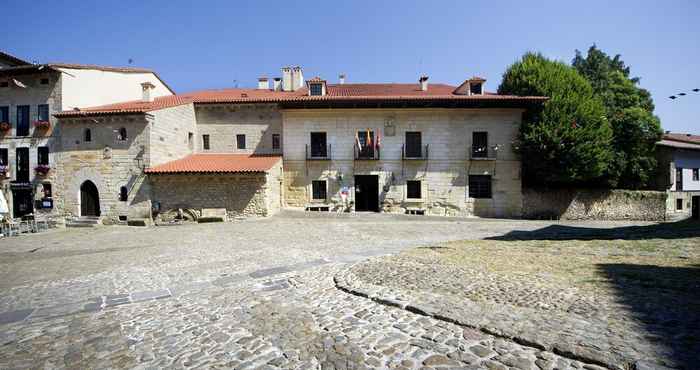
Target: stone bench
<point>213,215</point>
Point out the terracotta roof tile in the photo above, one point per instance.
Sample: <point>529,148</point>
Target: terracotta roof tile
<point>685,138</point>
<point>336,93</point>
<point>217,163</point>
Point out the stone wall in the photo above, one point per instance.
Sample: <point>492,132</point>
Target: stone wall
<point>223,122</point>
<point>169,135</point>
<point>242,194</point>
<point>573,204</point>
<point>444,176</point>
<point>108,162</point>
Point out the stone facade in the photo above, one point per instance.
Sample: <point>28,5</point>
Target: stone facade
<point>241,194</point>
<point>444,175</point>
<point>32,94</point>
<point>222,122</point>
<point>588,204</point>
<point>109,162</point>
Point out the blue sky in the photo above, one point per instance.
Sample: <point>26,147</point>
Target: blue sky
<point>215,44</point>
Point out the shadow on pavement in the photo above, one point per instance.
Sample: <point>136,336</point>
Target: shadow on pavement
<point>671,230</point>
<point>666,300</point>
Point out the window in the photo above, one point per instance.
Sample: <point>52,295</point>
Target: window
<point>3,156</point>
<point>43,112</point>
<point>87,135</point>
<point>318,189</point>
<point>5,114</point>
<point>479,186</point>
<point>696,174</point>
<point>123,194</point>
<point>240,141</point>
<point>413,189</point>
<point>122,134</point>
<point>44,81</point>
<point>414,145</point>
<point>22,164</point>
<point>475,88</point>
<point>679,179</point>
<point>4,84</point>
<point>365,140</point>
<point>480,145</point>
<point>46,189</point>
<point>275,141</point>
<point>318,145</point>
<point>679,204</point>
<point>316,89</point>
<point>190,139</point>
<point>205,142</point>
<point>22,120</point>
<point>42,155</point>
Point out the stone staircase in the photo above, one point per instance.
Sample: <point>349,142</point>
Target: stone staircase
<point>85,221</point>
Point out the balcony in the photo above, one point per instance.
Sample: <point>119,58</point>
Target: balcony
<point>483,153</point>
<point>366,153</point>
<point>409,153</point>
<point>318,152</point>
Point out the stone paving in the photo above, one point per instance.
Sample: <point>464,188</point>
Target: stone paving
<point>249,294</point>
<point>615,304</point>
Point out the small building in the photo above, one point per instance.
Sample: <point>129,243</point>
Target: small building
<point>678,157</point>
<point>31,142</point>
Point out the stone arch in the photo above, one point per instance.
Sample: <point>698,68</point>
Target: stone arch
<point>89,199</point>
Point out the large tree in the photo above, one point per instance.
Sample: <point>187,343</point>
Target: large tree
<point>566,141</point>
<point>630,111</point>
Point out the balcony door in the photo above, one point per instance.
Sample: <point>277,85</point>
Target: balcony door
<point>22,120</point>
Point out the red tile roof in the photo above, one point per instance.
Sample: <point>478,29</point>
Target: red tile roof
<point>336,93</point>
<point>217,163</point>
<point>685,138</point>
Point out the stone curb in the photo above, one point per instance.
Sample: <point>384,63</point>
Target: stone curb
<point>344,282</point>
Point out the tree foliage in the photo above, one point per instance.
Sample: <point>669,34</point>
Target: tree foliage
<point>630,110</point>
<point>567,140</point>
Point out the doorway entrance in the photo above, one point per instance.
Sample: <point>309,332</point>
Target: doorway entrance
<point>22,202</point>
<point>696,207</point>
<point>89,199</point>
<point>367,193</point>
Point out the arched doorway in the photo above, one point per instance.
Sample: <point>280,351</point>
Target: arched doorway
<point>89,199</point>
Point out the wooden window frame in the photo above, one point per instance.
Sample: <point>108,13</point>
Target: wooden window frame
<point>419,183</point>
<point>240,139</point>
<point>324,189</point>
<point>206,144</point>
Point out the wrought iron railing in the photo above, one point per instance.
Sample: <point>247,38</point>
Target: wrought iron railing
<point>318,153</point>
<point>366,153</point>
<point>415,153</point>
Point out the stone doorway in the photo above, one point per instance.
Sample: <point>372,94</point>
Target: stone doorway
<point>89,199</point>
<point>366,193</point>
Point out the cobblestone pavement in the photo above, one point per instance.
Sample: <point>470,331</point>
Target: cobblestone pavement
<point>289,321</point>
<point>614,303</point>
<point>248,294</point>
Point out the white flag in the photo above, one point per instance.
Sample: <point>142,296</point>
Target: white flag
<point>19,84</point>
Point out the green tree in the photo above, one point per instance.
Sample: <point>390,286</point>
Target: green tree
<point>630,110</point>
<point>566,141</point>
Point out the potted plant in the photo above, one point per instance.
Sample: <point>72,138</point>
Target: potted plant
<point>43,125</point>
<point>5,126</point>
<point>42,169</point>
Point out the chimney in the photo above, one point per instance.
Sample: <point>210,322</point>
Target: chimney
<point>297,78</point>
<point>277,84</point>
<point>286,79</point>
<point>263,83</point>
<point>341,79</point>
<point>423,81</point>
<point>147,95</point>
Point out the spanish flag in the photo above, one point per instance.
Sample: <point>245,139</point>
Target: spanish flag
<point>357,141</point>
<point>369,139</point>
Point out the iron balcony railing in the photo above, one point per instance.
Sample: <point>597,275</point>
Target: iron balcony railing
<point>318,152</point>
<point>483,152</point>
<point>366,153</point>
<point>415,153</point>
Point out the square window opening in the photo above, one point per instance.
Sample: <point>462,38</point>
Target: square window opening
<point>480,186</point>
<point>413,189</point>
<point>679,204</point>
<point>318,190</point>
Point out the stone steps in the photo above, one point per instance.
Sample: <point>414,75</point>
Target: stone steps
<point>87,221</point>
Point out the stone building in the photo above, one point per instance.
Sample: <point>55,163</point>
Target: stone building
<point>678,157</point>
<point>31,141</point>
<point>405,148</point>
